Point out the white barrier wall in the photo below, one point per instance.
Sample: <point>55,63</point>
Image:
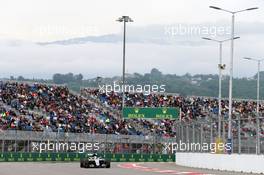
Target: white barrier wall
<point>234,162</point>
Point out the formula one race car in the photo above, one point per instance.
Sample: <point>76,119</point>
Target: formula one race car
<point>93,161</point>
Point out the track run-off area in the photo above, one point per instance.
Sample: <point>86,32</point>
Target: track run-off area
<point>55,168</point>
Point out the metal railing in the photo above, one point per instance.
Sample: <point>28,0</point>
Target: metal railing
<point>21,141</point>
<point>206,132</point>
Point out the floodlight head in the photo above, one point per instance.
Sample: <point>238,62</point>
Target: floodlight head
<point>120,19</point>
<point>207,38</point>
<point>214,7</point>
<point>247,58</point>
<point>222,66</point>
<point>124,19</point>
<point>127,19</point>
<point>254,8</point>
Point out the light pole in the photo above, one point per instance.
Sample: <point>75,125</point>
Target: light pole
<point>258,127</point>
<point>124,19</point>
<point>220,67</point>
<point>231,64</point>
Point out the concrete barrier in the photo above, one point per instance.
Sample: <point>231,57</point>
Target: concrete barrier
<point>224,162</point>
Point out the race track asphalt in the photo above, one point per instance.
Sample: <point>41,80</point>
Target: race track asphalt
<point>50,168</point>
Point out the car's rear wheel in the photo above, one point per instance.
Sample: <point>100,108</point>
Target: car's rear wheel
<point>108,165</point>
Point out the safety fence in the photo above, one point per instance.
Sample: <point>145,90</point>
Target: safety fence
<point>30,142</point>
<point>32,157</point>
<point>244,139</point>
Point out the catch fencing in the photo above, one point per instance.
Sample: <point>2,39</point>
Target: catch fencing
<point>205,131</point>
<point>24,141</point>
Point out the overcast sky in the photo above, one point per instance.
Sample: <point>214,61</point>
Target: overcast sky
<point>160,36</point>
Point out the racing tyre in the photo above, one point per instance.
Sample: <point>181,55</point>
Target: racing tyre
<point>108,165</point>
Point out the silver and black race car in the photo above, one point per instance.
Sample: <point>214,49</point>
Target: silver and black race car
<point>93,161</point>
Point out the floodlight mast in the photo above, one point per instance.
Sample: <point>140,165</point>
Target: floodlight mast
<point>124,19</point>
<point>258,102</point>
<point>231,65</point>
<point>221,67</point>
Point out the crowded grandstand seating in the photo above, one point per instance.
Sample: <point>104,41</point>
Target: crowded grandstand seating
<point>40,107</point>
<point>55,109</point>
<point>192,108</point>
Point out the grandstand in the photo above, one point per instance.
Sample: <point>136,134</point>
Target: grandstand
<point>54,109</point>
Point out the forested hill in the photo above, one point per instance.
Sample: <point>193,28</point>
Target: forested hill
<point>198,85</point>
